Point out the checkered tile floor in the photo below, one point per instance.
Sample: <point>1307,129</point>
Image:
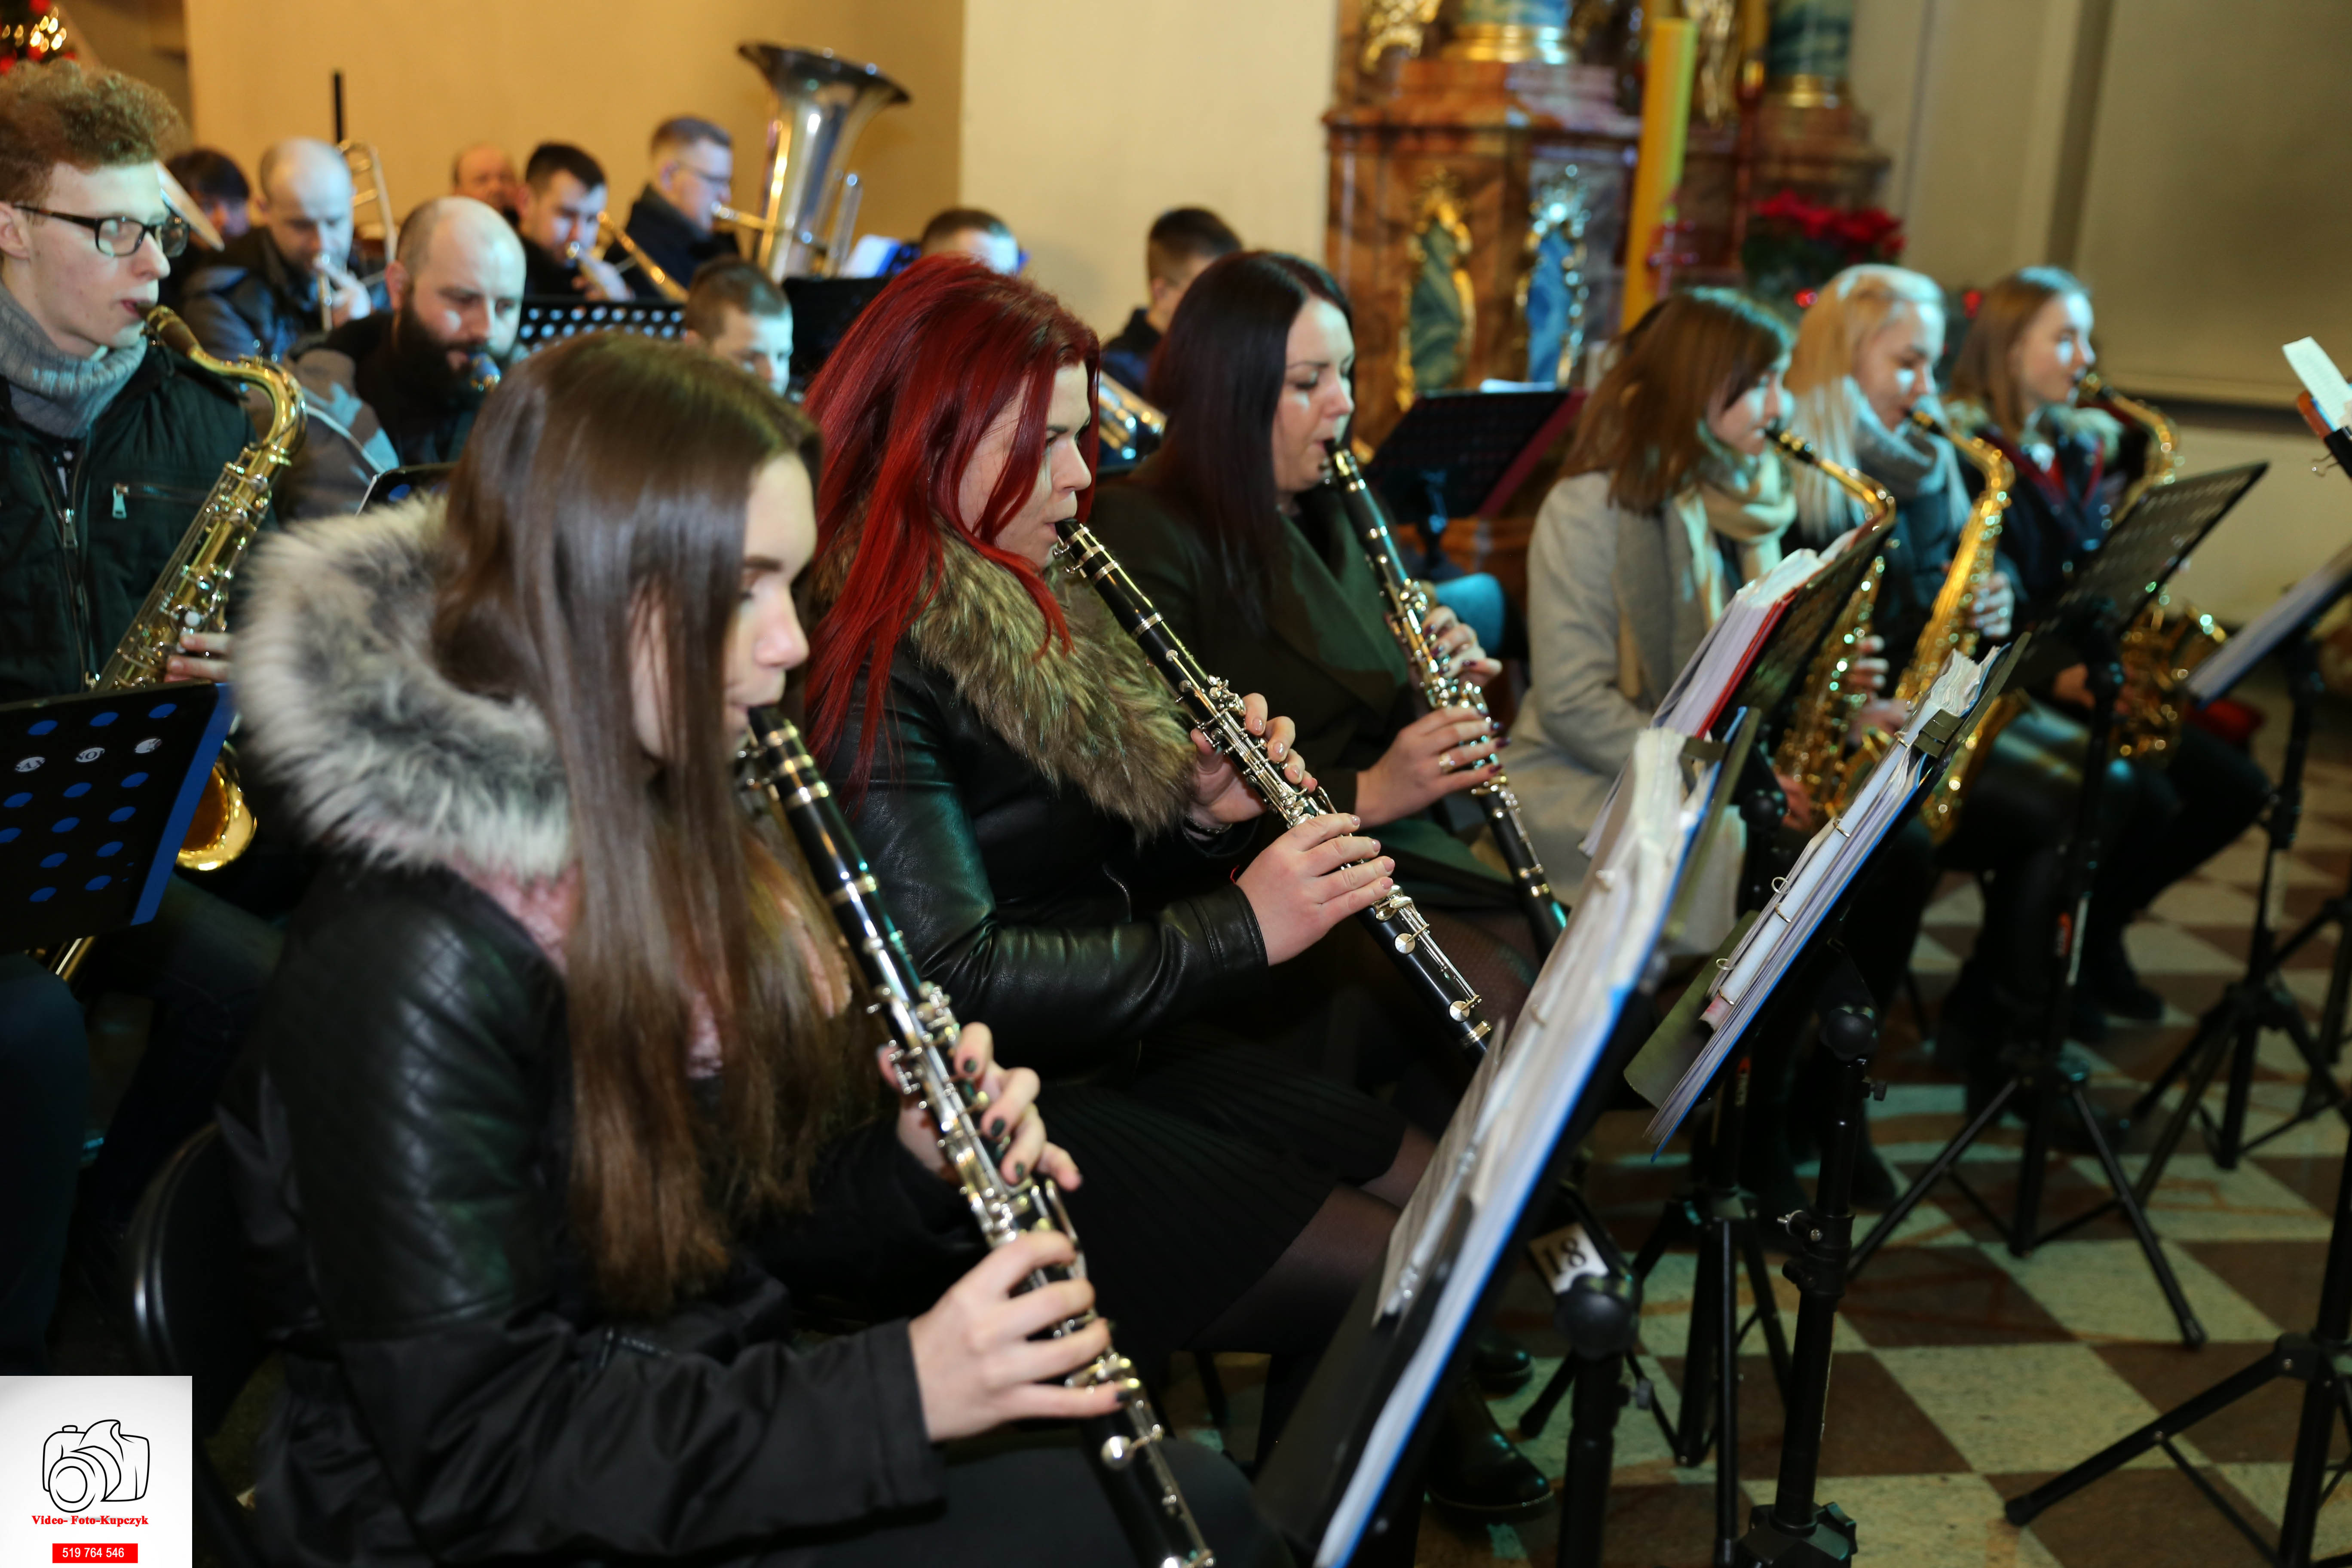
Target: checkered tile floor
<point>1965,1375</point>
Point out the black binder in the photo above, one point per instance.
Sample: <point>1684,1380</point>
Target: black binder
<point>97,791</point>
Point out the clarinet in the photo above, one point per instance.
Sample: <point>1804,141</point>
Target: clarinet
<point>1215,709</point>
<point>1409,604</point>
<point>1125,1447</point>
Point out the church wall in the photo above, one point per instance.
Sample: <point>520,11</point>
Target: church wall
<point>1083,122</point>
<point>426,77</point>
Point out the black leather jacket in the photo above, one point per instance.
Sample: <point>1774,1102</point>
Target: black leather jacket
<point>400,1130</point>
<point>1036,911</point>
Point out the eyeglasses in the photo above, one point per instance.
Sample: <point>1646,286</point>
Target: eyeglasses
<point>121,236</point>
<point>704,175</point>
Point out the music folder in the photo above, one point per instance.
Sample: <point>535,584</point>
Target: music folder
<point>1323,1486</point>
<point>97,791</point>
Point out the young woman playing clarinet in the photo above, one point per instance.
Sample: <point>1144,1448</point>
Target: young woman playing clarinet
<point>2015,384</point>
<point>561,1072</point>
<point>1253,376</point>
<point>1019,777</point>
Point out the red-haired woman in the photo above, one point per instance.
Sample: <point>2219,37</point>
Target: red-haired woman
<point>560,1068</point>
<point>1020,779</point>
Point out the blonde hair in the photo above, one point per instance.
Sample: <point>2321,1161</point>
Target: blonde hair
<point>1826,401</point>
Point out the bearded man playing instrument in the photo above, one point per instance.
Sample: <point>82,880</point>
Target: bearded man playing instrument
<point>109,445</point>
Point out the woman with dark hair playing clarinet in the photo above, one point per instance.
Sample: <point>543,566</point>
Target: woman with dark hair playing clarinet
<point>559,1078</point>
<point>1018,775</point>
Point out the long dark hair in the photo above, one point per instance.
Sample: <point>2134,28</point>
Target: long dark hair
<point>1688,352</point>
<point>596,517</point>
<point>905,400</point>
<point>1218,377</point>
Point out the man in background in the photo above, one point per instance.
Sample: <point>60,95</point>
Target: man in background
<point>1183,241</point>
<point>217,184</point>
<point>735,314</point>
<point>556,212</point>
<point>693,169</point>
<point>403,386</point>
<point>289,280</point>
<point>486,174</point>
<point>974,232</point>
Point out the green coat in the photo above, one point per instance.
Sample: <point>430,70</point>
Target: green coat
<point>146,467</point>
<point>1326,660</point>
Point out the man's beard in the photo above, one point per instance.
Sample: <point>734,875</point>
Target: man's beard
<point>422,364</point>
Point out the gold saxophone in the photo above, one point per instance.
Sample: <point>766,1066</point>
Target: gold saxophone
<point>1951,622</point>
<point>1812,748</point>
<point>2168,640</point>
<point>191,593</point>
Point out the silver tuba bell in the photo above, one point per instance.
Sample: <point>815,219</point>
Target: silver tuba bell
<point>807,198</point>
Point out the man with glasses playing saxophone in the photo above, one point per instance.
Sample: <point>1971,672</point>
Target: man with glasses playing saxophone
<point>109,445</point>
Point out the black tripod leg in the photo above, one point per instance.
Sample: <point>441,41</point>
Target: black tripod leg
<point>1537,1415</point>
<point>1727,1498</point>
<point>2173,1422</point>
<point>2192,1332</point>
<point>2220,1021</point>
<point>1591,1451</point>
<point>2175,1126</point>
<point>1892,1220</point>
<point>2232,1143</point>
<point>1767,1305</point>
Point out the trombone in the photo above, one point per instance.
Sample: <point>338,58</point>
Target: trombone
<point>610,233</point>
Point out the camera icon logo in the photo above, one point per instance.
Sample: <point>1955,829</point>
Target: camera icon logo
<point>81,1466</point>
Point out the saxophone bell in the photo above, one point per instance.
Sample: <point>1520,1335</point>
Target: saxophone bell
<point>482,372</point>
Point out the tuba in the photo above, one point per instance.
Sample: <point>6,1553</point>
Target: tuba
<point>192,593</point>
<point>2168,640</point>
<point>1812,748</point>
<point>807,202</point>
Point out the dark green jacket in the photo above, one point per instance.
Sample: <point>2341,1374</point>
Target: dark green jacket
<point>67,594</point>
<point>1326,659</point>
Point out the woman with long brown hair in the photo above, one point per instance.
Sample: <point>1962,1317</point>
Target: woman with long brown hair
<point>560,1082</point>
<point>1012,762</point>
<point>2014,382</point>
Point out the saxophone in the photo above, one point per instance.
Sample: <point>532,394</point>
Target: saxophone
<point>1215,709</point>
<point>1951,629</point>
<point>192,593</point>
<point>1408,604</point>
<point>1812,747</point>
<point>1125,1446</point>
<point>2167,641</point>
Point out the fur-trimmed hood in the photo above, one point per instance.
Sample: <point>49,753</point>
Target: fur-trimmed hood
<point>380,753</point>
<point>1092,717</point>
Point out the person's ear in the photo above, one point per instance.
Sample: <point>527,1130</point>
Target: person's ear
<point>16,232</point>
<point>398,282</point>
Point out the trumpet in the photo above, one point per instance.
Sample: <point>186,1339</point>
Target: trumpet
<point>610,233</point>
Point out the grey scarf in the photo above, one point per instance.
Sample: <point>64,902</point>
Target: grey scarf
<point>53,392</point>
<point>1909,462</point>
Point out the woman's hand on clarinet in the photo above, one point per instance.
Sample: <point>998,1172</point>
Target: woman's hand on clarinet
<point>974,1360</point>
<point>1219,797</point>
<point>1459,643</point>
<point>1303,883</point>
<point>1436,755</point>
<point>1008,1119</point>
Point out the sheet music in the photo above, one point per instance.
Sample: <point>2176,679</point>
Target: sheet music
<point>2229,663</point>
<point>1497,1146</point>
<point>2317,371</point>
<point>1829,861</point>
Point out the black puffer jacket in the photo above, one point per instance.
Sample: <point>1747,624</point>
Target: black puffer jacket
<point>136,481</point>
<point>400,1132</point>
<point>1025,813</point>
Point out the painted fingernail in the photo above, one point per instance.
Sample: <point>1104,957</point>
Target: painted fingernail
<point>996,1127</point>
<point>970,1066</point>
<point>1020,1171</point>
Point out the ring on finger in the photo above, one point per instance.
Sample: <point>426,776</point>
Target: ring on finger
<point>1446,763</point>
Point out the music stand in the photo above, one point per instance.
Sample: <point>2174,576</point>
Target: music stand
<point>551,317</point>
<point>823,309</point>
<point>1450,453</point>
<point>2086,625</point>
<point>100,790</point>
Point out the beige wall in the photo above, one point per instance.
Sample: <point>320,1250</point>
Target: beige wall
<point>1084,119</point>
<point>426,76</point>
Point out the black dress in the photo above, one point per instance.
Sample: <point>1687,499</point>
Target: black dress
<point>1204,1156</point>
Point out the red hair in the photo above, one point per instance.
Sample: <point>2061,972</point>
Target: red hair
<point>904,401</point>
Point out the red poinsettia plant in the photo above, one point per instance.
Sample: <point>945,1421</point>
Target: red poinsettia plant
<point>1795,246</point>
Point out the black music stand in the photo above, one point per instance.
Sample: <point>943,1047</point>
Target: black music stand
<point>2232,1028</point>
<point>2086,624</point>
<point>823,309</point>
<point>1448,455</point>
<point>100,790</point>
<point>547,319</point>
